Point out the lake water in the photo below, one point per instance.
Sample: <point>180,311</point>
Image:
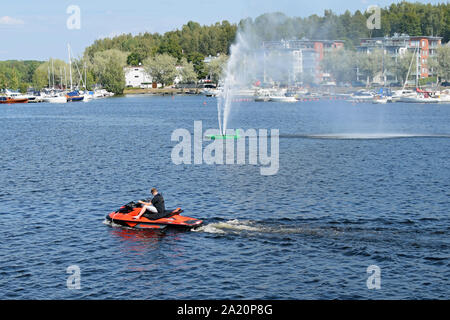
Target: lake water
<point>357,185</point>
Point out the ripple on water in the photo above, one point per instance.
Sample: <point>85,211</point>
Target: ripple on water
<point>356,186</point>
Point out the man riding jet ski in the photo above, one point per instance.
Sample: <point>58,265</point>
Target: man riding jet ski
<point>151,214</point>
<point>156,207</point>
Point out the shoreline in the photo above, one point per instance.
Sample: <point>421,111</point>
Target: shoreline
<point>314,90</point>
<point>162,92</point>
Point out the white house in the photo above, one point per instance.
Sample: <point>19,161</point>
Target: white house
<point>137,77</point>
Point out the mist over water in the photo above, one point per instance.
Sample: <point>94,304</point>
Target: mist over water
<point>250,66</point>
<point>238,74</point>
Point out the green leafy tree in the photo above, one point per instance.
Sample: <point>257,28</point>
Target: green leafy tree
<point>162,68</point>
<point>3,79</point>
<point>113,79</point>
<point>170,45</point>
<point>402,64</point>
<point>13,80</point>
<point>23,87</point>
<point>197,60</point>
<point>340,64</point>
<point>187,72</point>
<point>370,64</point>
<point>216,68</point>
<point>43,75</point>
<point>135,58</point>
<point>108,67</point>
<point>443,62</point>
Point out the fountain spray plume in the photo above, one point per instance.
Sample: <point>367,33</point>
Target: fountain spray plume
<point>236,76</point>
<point>253,64</point>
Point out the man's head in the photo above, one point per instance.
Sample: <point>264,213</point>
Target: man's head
<point>154,191</point>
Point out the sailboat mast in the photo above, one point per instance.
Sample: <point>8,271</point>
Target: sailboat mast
<point>383,68</point>
<point>409,70</point>
<point>417,67</point>
<point>48,69</point>
<point>53,75</point>
<point>70,67</point>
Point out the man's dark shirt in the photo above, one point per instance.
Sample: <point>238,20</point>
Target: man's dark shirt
<point>158,203</point>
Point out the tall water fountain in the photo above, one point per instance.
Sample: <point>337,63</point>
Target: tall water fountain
<point>237,75</point>
<point>250,63</point>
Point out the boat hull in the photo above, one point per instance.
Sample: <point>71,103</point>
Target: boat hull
<point>7,100</point>
<point>75,99</point>
<point>124,217</point>
<point>56,100</point>
<point>418,100</point>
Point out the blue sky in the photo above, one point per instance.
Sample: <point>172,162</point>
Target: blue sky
<point>37,29</point>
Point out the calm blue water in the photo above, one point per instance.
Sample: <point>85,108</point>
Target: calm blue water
<point>358,185</point>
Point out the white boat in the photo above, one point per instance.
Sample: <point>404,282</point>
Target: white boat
<point>15,95</point>
<point>282,99</point>
<point>88,95</point>
<point>211,92</point>
<point>35,99</point>
<point>380,100</point>
<point>262,95</point>
<point>419,95</point>
<point>12,97</point>
<point>98,94</point>
<point>418,98</point>
<point>102,93</point>
<point>399,94</point>
<point>362,96</point>
<point>55,99</point>
<point>208,89</point>
<point>444,96</point>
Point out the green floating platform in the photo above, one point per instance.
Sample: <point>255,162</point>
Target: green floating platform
<point>223,137</point>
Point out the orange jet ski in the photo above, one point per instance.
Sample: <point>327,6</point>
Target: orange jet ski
<point>125,217</point>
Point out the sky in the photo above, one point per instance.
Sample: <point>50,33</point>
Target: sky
<point>38,30</point>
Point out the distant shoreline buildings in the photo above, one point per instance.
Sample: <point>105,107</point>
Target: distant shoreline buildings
<point>306,55</point>
<point>399,44</point>
<point>303,57</point>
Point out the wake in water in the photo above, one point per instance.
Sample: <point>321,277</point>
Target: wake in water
<point>253,227</point>
<point>364,136</point>
<point>231,225</point>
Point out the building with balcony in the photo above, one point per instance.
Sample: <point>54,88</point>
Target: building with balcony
<point>302,57</point>
<point>399,44</point>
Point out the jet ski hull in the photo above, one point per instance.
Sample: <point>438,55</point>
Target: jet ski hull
<point>125,217</point>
